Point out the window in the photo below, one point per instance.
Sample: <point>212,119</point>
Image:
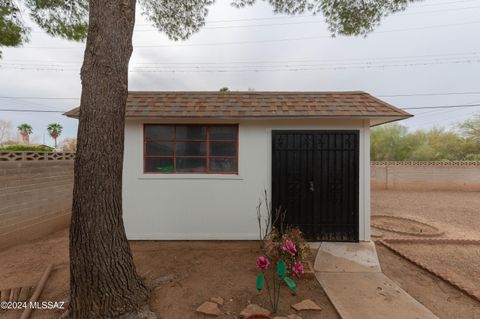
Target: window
<point>187,148</point>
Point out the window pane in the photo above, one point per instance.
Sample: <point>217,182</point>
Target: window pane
<point>159,165</point>
<point>223,165</point>
<point>191,132</point>
<point>164,132</point>
<point>159,148</point>
<point>191,164</point>
<point>223,133</point>
<point>191,149</point>
<point>223,149</point>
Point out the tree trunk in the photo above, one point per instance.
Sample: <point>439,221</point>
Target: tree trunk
<point>103,279</point>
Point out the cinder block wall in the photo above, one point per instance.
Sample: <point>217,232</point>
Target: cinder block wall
<point>35,199</point>
<point>428,176</point>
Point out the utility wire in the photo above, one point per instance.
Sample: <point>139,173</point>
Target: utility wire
<point>262,41</point>
<point>429,57</point>
<point>34,111</point>
<point>430,94</point>
<point>378,95</point>
<point>405,108</point>
<point>265,68</point>
<point>441,107</point>
<point>39,98</point>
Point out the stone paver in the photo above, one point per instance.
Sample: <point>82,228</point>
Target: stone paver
<point>347,257</point>
<point>351,276</point>
<point>370,295</point>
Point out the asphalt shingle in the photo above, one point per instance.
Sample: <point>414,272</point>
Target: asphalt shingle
<point>251,104</point>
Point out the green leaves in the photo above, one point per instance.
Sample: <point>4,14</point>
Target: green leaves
<point>357,17</point>
<point>13,32</point>
<point>291,284</point>
<point>178,19</point>
<point>66,19</point>
<point>260,280</point>
<point>281,268</point>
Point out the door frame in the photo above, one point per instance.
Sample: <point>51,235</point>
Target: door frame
<point>359,158</point>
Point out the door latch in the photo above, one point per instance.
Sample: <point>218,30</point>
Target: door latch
<point>311,186</point>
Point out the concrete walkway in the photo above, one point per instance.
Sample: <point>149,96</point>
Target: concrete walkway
<point>351,276</point>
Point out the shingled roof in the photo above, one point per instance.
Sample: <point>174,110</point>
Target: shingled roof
<point>252,104</point>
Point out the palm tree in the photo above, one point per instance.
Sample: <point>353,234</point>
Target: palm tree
<point>54,129</point>
<point>25,131</point>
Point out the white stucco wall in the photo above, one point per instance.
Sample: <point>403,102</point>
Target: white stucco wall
<point>201,206</point>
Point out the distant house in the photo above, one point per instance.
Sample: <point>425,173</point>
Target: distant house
<point>196,163</point>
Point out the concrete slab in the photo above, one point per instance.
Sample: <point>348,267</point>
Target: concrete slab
<point>370,295</point>
<point>347,257</point>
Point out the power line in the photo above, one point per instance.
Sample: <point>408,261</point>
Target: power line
<point>314,15</point>
<point>265,68</point>
<point>34,111</point>
<point>377,95</point>
<point>405,108</point>
<point>303,22</point>
<point>264,41</point>
<point>57,63</point>
<point>38,98</point>
<point>233,65</point>
<point>441,107</point>
<point>430,94</point>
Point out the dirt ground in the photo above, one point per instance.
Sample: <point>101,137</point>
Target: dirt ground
<point>202,270</point>
<point>463,269</point>
<point>457,215</point>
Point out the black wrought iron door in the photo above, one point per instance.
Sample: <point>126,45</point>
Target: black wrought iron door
<point>315,177</point>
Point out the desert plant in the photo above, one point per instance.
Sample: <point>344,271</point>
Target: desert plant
<point>25,131</point>
<point>270,218</point>
<point>54,129</point>
<point>286,253</point>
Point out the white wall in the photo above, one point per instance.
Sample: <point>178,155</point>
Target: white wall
<point>201,206</point>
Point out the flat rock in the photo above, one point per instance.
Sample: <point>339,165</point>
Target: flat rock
<point>253,309</point>
<point>306,305</point>
<point>209,308</point>
<point>217,300</point>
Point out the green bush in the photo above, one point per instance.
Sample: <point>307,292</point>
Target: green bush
<point>20,148</point>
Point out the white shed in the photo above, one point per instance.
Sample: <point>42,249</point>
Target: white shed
<point>196,163</point>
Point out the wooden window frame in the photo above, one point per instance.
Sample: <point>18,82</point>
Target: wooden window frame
<point>206,141</point>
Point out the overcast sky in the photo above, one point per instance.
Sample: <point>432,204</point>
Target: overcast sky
<point>432,47</point>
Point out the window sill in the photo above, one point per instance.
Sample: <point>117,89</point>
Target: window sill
<point>190,176</point>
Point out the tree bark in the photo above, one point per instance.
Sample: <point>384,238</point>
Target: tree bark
<point>103,279</point>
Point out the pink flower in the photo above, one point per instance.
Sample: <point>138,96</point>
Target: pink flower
<point>262,263</point>
<point>297,268</point>
<point>289,247</point>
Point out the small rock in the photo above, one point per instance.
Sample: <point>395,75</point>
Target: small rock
<point>293,317</point>
<point>209,308</point>
<point>217,300</point>
<point>253,309</point>
<point>306,304</point>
